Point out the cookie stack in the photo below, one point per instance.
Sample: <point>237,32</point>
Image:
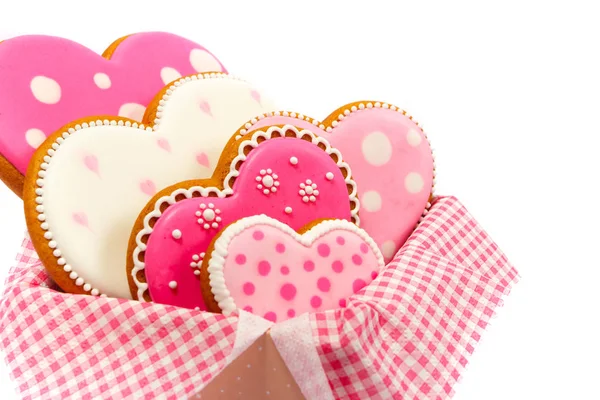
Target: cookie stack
<point>167,180</point>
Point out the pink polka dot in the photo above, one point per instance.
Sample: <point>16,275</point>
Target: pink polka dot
<point>342,303</point>
<point>374,274</point>
<point>249,288</point>
<point>258,235</point>
<point>309,266</point>
<point>340,240</point>
<point>271,316</point>
<point>356,259</point>
<point>240,259</point>
<point>315,302</point>
<point>364,248</point>
<point>323,250</point>
<point>288,291</point>
<point>264,268</point>
<point>285,270</point>
<point>337,266</point>
<point>324,284</point>
<point>248,308</point>
<point>280,248</point>
<point>291,313</point>
<point>358,284</point>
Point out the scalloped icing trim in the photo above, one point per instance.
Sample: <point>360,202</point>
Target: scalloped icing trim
<point>147,230</point>
<point>47,159</point>
<point>344,112</point>
<point>217,257</point>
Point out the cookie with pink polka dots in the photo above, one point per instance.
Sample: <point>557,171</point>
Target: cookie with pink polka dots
<point>391,161</point>
<point>286,173</point>
<point>88,181</point>
<point>47,82</point>
<point>263,266</point>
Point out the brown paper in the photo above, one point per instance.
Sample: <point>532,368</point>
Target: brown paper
<point>258,373</point>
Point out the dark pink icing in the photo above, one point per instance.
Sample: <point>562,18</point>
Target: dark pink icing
<point>168,259</point>
<point>134,75</point>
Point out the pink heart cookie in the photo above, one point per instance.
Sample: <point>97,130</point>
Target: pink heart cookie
<point>265,267</point>
<point>49,81</point>
<point>391,161</point>
<point>283,172</point>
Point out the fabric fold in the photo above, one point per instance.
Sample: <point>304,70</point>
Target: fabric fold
<point>408,334</point>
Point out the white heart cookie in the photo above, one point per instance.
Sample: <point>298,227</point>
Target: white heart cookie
<point>88,182</point>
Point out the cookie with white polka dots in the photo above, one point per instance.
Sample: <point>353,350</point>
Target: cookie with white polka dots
<point>391,161</point>
<point>49,81</point>
<point>286,173</point>
<point>263,266</point>
<point>87,183</point>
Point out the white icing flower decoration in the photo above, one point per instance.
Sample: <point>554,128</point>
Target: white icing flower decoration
<point>308,191</point>
<point>267,181</point>
<point>197,262</point>
<point>208,216</point>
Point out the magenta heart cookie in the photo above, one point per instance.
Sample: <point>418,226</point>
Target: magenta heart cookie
<point>265,267</point>
<point>283,172</point>
<point>391,162</point>
<point>47,82</point>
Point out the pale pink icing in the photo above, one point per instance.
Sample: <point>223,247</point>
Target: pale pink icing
<point>389,212</point>
<point>85,84</point>
<point>271,273</point>
<point>168,259</point>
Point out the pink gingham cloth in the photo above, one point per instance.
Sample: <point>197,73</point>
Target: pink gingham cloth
<point>406,336</point>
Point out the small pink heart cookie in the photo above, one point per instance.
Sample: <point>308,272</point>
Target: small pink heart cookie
<point>265,267</point>
<point>283,172</point>
<point>391,161</point>
<point>47,82</point>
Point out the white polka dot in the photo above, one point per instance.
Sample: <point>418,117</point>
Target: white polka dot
<point>168,75</point>
<point>102,80</point>
<point>35,137</point>
<point>413,137</point>
<point>132,110</point>
<point>176,234</point>
<point>413,182</point>
<point>371,201</point>
<point>45,89</point>
<point>376,148</point>
<point>388,249</point>
<point>268,181</point>
<point>203,61</point>
<point>173,285</point>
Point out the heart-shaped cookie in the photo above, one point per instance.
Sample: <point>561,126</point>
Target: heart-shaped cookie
<point>391,161</point>
<point>265,267</point>
<point>87,184</point>
<point>283,172</point>
<point>47,82</point>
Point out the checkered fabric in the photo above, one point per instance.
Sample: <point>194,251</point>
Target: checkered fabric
<point>408,335</point>
<point>60,346</point>
<point>405,336</point>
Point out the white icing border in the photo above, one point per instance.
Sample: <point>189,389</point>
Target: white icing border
<point>344,112</point>
<point>221,249</point>
<point>139,265</point>
<point>41,173</point>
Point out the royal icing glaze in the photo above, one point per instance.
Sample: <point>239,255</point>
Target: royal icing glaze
<point>391,161</point>
<point>264,158</point>
<point>97,176</point>
<point>49,81</point>
<point>265,267</point>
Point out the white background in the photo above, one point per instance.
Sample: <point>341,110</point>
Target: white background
<point>510,97</point>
